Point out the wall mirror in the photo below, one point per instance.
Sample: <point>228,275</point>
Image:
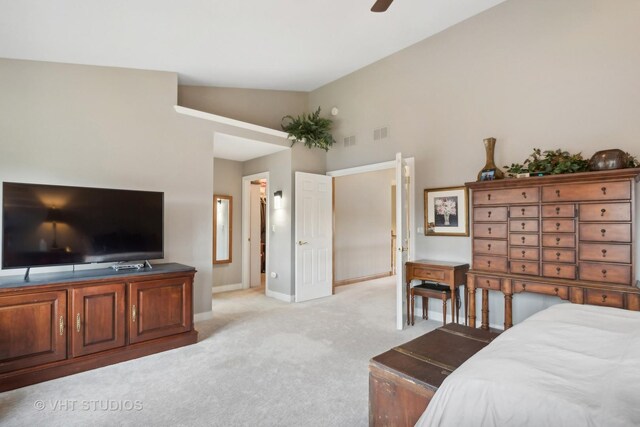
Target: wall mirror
<point>222,228</point>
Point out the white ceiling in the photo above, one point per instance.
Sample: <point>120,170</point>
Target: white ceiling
<point>241,149</point>
<point>267,44</point>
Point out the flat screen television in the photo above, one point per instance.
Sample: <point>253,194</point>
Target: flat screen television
<point>48,225</point>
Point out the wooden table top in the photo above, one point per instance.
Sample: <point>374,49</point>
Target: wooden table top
<point>435,263</point>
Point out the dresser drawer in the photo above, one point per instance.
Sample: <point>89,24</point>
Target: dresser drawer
<point>494,231</point>
<point>524,254</point>
<point>558,226</point>
<point>559,211</point>
<point>606,298</point>
<point>605,212</point>
<point>560,271</point>
<point>490,263</point>
<point>490,247</point>
<point>524,225</point>
<point>541,288</point>
<point>559,240</point>
<point>559,255</point>
<point>488,283</point>
<point>495,213</point>
<point>606,232</point>
<point>593,191</point>
<point>524,211</point>
<point>517,239</point>
<point>525,267</point>
<point>605,252</point>
<point>511,196</point>
<point>605,273</point>
<point>434,274</point>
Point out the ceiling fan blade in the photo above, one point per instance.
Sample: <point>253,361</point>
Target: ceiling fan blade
<point>381,5</point>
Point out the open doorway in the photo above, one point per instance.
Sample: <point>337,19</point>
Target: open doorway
<point>255,231</point>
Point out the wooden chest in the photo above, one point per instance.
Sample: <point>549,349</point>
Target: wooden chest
<point>403,380</point>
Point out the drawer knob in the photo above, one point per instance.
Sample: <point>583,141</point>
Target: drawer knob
<point>557,210</point>
<point>524,286</point>
<point>489,229</point>
<point>488,282</point>
<point>523,239</point>
<point>604,253</point>
<point>489,214</point>
<point>524,194</point>
<point>604,190</point>
<point>523,225</point>
<point>557,226</point>
<point>603,231</point>
<point>523,267</point>
<point>489,264</point>
<point>489,196</point>
<point>489,247</point>
<point>604,274</point>
<point>558,256</point>
<point>557,240</point>
<point>557,193</point>
<point>558,270</point>
<point>556,289</point>
<point>524,253</point>
<point>602,211</point>
<point>604,298</point>
<point>523,211</point>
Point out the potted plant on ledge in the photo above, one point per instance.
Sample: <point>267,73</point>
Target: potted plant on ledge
<point>310,129</point>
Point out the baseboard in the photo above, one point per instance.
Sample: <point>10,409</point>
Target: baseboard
<point>200,317</point>
<point>362,279</point>
<point>279,296</point>
<point>226,288</point>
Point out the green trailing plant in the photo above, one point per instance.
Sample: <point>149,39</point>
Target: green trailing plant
<point>550,162</point>
<point>310,129</point>
<point>632,162</point>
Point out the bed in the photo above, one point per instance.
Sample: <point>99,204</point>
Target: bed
<point>568,365</point>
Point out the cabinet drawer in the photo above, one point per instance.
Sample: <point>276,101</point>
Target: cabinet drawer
<point>605,273</point>
<point>524,225</point>
<point>559,255</point>
<point>490,247</point>
<point>606,232</point>
<point>430,274</point>
<point>559,211</point>
<point>558,226</point>
<point>605,253</point>
<point>541,288</point>
<point>488,283</point>
<point>495,231</point>
<point>593,191</point>
<point>490,263</point>
<point>525,267</point>
<point>605,212</point>
<point>511,196</point>
<point>559,240</point>
<point>516,239</point>
<point>560,271</point>
<point>606,298</point>
<point>524,254</point>
<point>496,213</point>
<point>524,212</point>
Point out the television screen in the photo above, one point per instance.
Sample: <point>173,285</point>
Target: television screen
<point>46,225</point>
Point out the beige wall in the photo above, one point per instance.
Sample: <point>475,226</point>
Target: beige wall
<point>261,107</point>
<point>362,240</point>
<point>112,127</point>
<point>532,73</point>
<point>227,181</point>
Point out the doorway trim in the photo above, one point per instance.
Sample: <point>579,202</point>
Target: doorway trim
<point>246,226</point>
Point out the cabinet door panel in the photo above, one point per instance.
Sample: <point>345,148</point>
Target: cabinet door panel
<point>98,319</point>
<point>158,308</point>
<point>32,329</point>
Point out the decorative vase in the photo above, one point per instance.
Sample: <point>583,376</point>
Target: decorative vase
<point>490,165</point>
<point>446,219</point>
<point>608,159</point>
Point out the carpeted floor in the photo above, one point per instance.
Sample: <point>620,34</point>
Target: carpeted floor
<point>258,362</point>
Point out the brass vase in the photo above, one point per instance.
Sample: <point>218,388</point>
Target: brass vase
<point>490,171</point>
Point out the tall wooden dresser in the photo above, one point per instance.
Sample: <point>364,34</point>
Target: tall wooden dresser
<point>570,236</point>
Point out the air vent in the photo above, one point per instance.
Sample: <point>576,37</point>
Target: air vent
<point>349,141</point>
<point>380,133</point>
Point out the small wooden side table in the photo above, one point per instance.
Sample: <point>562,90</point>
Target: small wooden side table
<point>445,272</point>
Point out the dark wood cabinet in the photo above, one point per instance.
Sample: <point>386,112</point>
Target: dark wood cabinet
<point>97,318</point>
<point>63,323</point>
<point>33,329</point>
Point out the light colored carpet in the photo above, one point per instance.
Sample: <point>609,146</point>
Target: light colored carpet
<point>258,362</point>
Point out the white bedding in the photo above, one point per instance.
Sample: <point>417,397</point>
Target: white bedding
<point>569,365</point>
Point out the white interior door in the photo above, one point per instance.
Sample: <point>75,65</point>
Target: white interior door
<point>313,236</point>
<point>255,277</point>
<point>402,237</point>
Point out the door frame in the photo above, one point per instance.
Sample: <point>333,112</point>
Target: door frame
<point>391,164</point>
<point>246,226</point>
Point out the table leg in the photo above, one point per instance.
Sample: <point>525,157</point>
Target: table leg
<point>466,306</point>
<point>485,309</point>
<point>508,321</point>
<point>471,290</point>
<point>408,301</point>
<point>453,302</point>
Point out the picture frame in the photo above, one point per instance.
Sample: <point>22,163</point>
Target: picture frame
<point>446,211</point>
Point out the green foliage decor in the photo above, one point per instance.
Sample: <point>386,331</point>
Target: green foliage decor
<point>550,162</point>
<point>311,129</point>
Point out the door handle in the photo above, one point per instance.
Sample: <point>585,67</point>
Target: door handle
<point>78,323</point>
<point>133,314</point>
<point>403,249</point>
<point>300,242</point>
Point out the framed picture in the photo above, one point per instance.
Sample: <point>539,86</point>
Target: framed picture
<point>446,211</point>
<point>487,175</point>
